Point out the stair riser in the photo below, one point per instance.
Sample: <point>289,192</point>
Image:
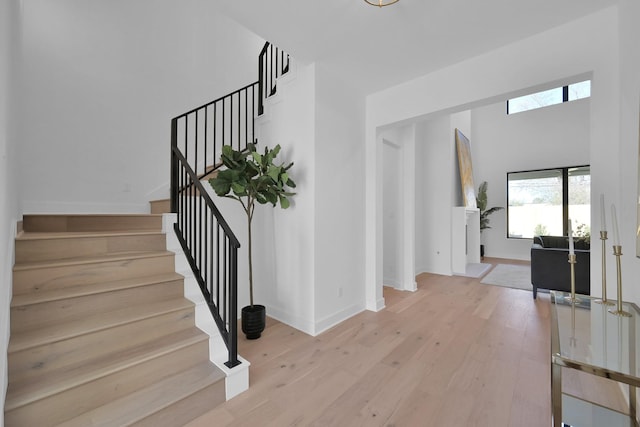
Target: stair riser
<point>185,410</point>
<point>38,361</point>
<point>160,206</point>
<point>73,223</point>
<point>56,277</point>
<point>65,248</point>
<point>36,315</point>
<point>65,405</point>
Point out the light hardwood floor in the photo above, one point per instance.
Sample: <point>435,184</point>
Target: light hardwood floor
<point>454,353</point>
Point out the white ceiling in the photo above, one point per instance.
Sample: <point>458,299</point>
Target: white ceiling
<point>381,47</point>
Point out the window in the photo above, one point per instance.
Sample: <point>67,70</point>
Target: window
<point>540,202</point>
<point>553,96</point>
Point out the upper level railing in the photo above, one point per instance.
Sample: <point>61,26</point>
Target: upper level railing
<point>197,137</point>
<point>273,62</point>
<point>228,120</point>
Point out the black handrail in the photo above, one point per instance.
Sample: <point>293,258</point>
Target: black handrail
<point>197,138</point>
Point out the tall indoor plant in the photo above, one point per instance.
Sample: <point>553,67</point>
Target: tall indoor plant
<point>252,177</point>
<point>481,201</point>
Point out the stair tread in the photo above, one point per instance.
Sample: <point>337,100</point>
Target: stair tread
<point>21,393</point>
<point>119,256</point>
<point>78,326</point>
<point>142,403</point>
<point>91,222</point>
<point>44,235</point>
<point>22,300</point>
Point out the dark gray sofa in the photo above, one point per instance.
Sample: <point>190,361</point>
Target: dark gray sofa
<point>550,267</point>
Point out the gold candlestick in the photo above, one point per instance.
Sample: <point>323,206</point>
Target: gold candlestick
<point>572,262</point>
<point>617,251</point>
<point>603,237</point>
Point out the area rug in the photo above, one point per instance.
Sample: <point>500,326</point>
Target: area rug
<point>510,276</point>
<point>474,270</point>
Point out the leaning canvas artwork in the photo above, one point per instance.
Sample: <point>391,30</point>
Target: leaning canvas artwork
<point>466,171</point>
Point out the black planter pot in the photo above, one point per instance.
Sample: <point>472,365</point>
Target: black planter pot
<point>253,321</point>
<point>481,251</point>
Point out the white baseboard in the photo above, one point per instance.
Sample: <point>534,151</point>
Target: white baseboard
<point>342,315</point>
<point>288,319</point>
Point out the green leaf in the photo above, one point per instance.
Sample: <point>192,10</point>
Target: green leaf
<point>284,202</point>
<point>239,189</point>
<point>274,173</point>
<point>257,157</point>
<point>261,199</point>
<point>220,186</point>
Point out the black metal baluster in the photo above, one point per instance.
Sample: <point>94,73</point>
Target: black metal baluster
<point>206,125</point>
<point>224,278</point>
<point>215,135</point>
<point>218,264</point>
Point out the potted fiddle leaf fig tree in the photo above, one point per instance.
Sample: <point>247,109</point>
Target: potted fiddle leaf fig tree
<point>481,202</point>
<point>251,177</point>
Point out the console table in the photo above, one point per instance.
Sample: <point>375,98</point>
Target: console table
<point>586,337</point>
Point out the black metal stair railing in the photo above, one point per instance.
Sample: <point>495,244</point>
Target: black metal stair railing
<point>210,247</point>
<point>273,62</point>
<point>197,138</point>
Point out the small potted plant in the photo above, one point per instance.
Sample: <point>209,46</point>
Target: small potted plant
<point>481,201</point>
<point>252,177</point>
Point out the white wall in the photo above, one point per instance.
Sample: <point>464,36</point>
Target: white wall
<point>436,158</point>
<point>9,19</point>
<point>554,136</point>
<point>339,199</point>
<point>314,248</point>
<point>399,207</point>
<point>587,45</point>
<point>289,240</point>
<point>102,81</point>
<point>629,87</point>
<point>392,212</point>
<point>437,179</point>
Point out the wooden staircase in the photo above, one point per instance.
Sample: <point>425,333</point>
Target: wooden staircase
<point>101,333</point>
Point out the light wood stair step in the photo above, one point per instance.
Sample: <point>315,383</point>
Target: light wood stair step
<point>95,222</point>
<point>201,385</point>
<point>160,206</point>
<point>47,275</point>
<point>38,361</point>
<point>80,308</point>
<point>41,246</point>
<point>34,387</point>
<point>98,322</point>
<point>42,296</point>
<point>67,394</point>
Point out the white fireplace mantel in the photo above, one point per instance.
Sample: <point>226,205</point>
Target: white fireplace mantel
<point>465,238</point>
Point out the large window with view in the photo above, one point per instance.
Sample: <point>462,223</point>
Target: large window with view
<point>540,202</point>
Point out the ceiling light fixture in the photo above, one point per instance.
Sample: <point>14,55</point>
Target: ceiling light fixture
<point>381,3</point>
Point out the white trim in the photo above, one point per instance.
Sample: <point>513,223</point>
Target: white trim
<point>338,317</point>
<point>293,321</point>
